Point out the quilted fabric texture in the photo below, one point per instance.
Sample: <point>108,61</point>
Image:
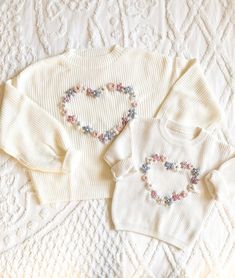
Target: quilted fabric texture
<point>76,239</point>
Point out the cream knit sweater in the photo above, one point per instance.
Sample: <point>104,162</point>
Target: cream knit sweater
<point>167,178</point>
<point>66,164</point>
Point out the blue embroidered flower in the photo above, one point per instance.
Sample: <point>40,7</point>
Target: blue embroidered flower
<point>168,200</point>
<point>145,167</point>
<point>70,92</point>
<point>87,129</point>
<point>169,165</point>
<point>131,113</point>
<point>109,135</point>
<point>195,171</point>
<point>97,93</point>
<point>128,90</point>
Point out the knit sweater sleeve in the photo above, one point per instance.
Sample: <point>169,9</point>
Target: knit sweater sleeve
<point>119,154</point>
<point>190,100</point>
<point>30,134</point>
<point>221,181</point>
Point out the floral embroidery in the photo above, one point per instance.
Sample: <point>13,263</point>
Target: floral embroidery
<point>107,135</point>
<point>182,166</point>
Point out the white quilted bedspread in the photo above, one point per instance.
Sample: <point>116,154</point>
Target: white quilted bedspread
<point>77,239</point>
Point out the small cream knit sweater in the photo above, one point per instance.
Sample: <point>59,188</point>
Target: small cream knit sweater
<point>170,196</point>
<point>66,164</point>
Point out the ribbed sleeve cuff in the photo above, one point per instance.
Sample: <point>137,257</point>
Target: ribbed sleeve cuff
<point>54,187</point>
<point>217,186</point>
<point>121,168</point>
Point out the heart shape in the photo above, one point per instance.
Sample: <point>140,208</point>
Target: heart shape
<point>182,166</point>
<point>102,136</point>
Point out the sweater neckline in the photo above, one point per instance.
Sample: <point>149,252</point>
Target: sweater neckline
<point>93,57</point>
<point>166,126</point>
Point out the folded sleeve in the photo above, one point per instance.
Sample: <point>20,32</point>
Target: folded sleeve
<point>119,154</point>
<point>190,100</point>
<point>221,182</point>
<point>31,135</point>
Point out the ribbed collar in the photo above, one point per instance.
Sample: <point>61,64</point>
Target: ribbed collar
<point>167,126</point>
<point>93,57</point>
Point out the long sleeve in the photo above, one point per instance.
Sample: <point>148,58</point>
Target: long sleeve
<point>221,182</point>
<point>119,154</point>
<point>190,100</point>
<point>31,135</point>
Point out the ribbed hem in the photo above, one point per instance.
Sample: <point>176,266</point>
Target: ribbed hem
<point>93,57</point>
<point>89,191</point>
<point>147,232</point>
<point>53,187</point>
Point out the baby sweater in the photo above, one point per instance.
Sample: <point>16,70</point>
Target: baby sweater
<point>160,169</point>
<point>59,115</point>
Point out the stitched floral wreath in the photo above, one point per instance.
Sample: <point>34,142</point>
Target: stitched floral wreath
<point>167,200</point>
<point>109,134</point>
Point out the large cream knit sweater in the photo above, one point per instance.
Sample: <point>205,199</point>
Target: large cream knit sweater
<point>66,164</point>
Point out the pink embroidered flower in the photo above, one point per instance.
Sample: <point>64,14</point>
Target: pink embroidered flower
<point>66,99</point>
<point>156,157</point>
<point>111,87</point>
<point>89,92</point>
<point>174,196</point>
<point>186,165</point>
<point>101,138</point>
<point>124,120</point>
<point>194,180</point>
<point>71,119</point>
<point>153,194</point>
<point>120,87</point>
<point>180,196</point>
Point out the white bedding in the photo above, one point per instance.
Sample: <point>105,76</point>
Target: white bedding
<point>77,239</point>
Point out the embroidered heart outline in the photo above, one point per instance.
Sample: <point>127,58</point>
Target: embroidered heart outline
<point>167,200</point>
<point>87,129</point>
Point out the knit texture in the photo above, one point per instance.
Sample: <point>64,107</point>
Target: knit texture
<point>64,163</point>
<point>135,207</point>
<point>221,182</point>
